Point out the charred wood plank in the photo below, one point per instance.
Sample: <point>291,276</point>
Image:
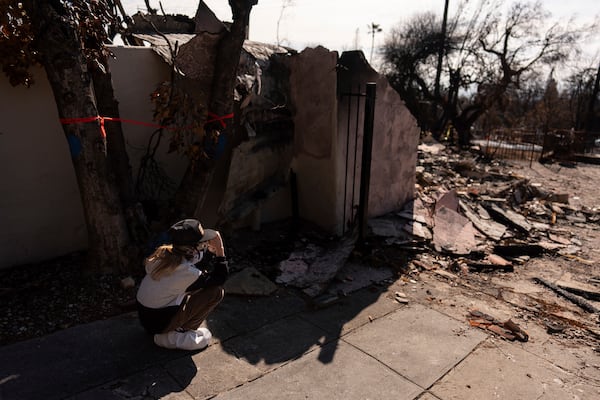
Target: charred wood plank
<point>588,294</point>
<point>508,217</point>
<point>516,250</point>
<point>491,229</point>
<point>475,266</point>
<point>569,296</point>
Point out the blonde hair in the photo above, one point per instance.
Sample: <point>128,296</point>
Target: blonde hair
<point>167,258</point>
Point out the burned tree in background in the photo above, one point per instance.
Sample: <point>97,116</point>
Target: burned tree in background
<point>488,52</point>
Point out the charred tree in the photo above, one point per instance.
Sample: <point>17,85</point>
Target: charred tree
<point>198,176</point>
<point>60,53</point>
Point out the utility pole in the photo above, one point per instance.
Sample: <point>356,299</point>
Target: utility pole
<point>356,43</point>
<point>437,124</point>
<point>284,4</point>
<point>373,29</point>
<point>438,71</point>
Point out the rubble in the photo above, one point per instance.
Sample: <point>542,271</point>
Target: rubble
<point>250,282</point>
<point>312,267</point>
<point>481,212</point>
<point>509,217</point>
<point>401,298</point>
<point>554,327</point>
<point>482,266</point>
<point>452,232</point>
<point>488,227</point>
<point>490,223</point>
<point>508,330</point>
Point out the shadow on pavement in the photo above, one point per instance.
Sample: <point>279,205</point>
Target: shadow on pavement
<point>93,356</point>
<point>270,331</point>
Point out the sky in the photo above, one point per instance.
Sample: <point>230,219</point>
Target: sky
<point>343,24</point>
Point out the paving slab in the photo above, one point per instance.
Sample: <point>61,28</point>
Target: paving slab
<point>276,343</point>
<point>76,359</point>
<point>352,312</point>
<point>419,343</point>
<point>237,314</point>
<point>500,370</point>
<point>351,375</point>
<point>213,371</point>
<point>355,276</point>
<point>575,355</point>
<point>570,353</point>
<point>428,396</point>
<point>153,383</point>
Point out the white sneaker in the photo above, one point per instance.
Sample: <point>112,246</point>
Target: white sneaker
<point>188,340</point>
<point>205,332</point>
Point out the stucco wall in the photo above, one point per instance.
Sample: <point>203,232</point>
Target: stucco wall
<point>40,209</point>
<point>251,165</point>
<point>136,72</point>
<point>394,159</point>
<point>313,90</point>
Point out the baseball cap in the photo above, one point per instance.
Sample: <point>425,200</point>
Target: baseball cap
<point>189,232</point>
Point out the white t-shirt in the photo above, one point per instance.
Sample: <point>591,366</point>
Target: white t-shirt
<point>169,290</point>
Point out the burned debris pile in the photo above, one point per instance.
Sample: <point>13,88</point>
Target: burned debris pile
<point>472,216</point>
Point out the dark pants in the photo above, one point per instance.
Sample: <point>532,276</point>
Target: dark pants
<point>195,307</point>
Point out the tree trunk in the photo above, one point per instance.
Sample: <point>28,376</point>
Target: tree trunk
<point>463,123</point>
<point>71,84</point>
<point>228,58</point>
<point>195,184</point>
<point>118,158</point>
<point>592,104</point>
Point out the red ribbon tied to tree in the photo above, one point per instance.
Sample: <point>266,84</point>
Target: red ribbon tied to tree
<point>102,119</point>
<point>219,118</point>
<point>212,118</point>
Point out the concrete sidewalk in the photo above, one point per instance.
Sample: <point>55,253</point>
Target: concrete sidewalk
<point>367,346</point>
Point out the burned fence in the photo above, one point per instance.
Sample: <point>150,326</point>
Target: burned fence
<point>570,145</point>
<point>512,144</point>
<point>534,145</point>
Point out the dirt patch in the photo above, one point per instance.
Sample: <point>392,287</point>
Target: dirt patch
<point>41,298</point>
